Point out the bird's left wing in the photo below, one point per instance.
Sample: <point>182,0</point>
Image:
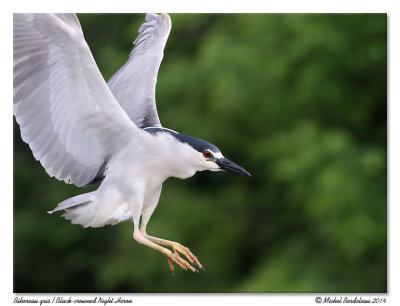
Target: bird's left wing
<point>134,85</point>
<point>66,112</point>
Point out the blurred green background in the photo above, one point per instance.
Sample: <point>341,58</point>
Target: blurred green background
<point>298,100</point>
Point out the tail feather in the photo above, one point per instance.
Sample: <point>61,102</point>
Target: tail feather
<point>74,201</point>
<point>90,210</point>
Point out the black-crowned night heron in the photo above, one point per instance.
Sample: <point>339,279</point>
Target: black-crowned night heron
<point>83,131</point>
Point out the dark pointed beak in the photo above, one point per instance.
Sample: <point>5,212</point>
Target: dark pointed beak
<point>228,165</point>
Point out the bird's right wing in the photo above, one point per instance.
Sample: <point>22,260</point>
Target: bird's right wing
<point>66,112</point>
<point>134,85</point>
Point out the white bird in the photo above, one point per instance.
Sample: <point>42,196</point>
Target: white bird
<point>83,131</point>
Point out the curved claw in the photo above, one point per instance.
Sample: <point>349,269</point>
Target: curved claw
<point>171,266</point>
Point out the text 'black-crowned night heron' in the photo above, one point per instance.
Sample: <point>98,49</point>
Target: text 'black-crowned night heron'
<point>84,130</point>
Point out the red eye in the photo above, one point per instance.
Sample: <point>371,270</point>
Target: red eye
<point>206,154</point>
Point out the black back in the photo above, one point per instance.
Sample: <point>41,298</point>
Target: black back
<point>196,143</point>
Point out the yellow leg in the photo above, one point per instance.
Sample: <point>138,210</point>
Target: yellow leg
<point>172,257</point>
<point>177,247</point>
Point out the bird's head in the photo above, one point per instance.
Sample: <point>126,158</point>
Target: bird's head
<point>208,156</point>
<point>201,155</point>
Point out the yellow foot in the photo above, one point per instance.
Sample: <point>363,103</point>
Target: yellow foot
<point>179,248</point>
<point>174,257</point>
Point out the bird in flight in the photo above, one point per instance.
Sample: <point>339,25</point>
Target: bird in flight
<point>84,130</point>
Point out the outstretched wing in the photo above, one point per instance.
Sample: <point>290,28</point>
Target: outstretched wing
<point>134,85</point>
<point>66,112</point>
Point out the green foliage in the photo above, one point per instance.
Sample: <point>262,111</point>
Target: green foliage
<point>299,101</point>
